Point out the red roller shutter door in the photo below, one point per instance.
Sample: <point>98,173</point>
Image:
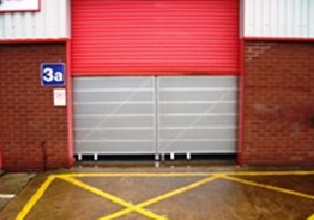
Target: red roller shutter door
<point>155,37</point>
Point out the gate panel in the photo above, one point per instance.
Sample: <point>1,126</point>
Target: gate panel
<point>197,114</point>
<point>117,115</point>
<point>114,115</point>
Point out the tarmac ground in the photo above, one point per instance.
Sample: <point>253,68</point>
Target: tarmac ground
<point>172,192</point>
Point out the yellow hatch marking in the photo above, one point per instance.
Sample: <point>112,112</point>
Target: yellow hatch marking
<point>140,207</point>
<point>275,188</point>
<point>233,173</point>
<point>113,198</point>
<point>134,175</point>
<point>311,217</point>
<point>161,197</point>
<point>34,199</point>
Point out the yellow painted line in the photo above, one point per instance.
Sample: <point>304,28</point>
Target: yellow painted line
<point>311,217</point>
<point>191,174</point>
<point>34,199</point>
<point>134,175</point>
<point>161,197</point>
<point>275,188</point>
<point>112,198</point>
<point>271,173</point>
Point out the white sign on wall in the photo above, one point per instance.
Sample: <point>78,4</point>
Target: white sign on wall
<point>59,97</point>
<point>19,5</point>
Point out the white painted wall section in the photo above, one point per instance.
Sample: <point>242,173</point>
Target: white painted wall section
<point>279,18</point>
<point>51,22</point>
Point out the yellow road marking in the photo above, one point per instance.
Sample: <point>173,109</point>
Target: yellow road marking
<point>34,199</point>
<point>139,208</point>
<point>311,217</point>
<point>233,173</point>
<point>275,188</point>
<point>113,198</point>
<point>134,175</point>
<point>161,197</point>
<point>271,173</point>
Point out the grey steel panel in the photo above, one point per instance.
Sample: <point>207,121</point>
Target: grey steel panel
<point>201,121</point>
<point>198,108</point>
<point>114,115</point>
<point>114,122</point>
<point>103,96</point>
<point>279,19</point>
<point>99,83</point>
<point>52,21</point>
<point>199,146</point>
<point>108,134</point>
<point>197,114</point>
<point>117,115</point>
<point>197,96</point>
<point>115,147</point>
<point>114,109</point>
<point>198,82</point>
<point>198,133</point>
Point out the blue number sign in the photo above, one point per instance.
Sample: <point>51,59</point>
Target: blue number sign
<point>53,74</point>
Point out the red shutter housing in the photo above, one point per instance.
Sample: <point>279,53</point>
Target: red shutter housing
<point>111,37</point>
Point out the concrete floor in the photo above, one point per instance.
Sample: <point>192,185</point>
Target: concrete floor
<point>11,184</point>
<point>171,192</point>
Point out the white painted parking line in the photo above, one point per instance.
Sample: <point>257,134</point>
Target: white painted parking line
<point>7,196</point>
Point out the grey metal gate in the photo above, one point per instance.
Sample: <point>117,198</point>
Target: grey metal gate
<point>154,115</point>
<point>114,115</point>
<point>197,114</point>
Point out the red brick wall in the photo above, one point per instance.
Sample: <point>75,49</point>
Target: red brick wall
<point>29,121</point>
<point>278,104</point>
